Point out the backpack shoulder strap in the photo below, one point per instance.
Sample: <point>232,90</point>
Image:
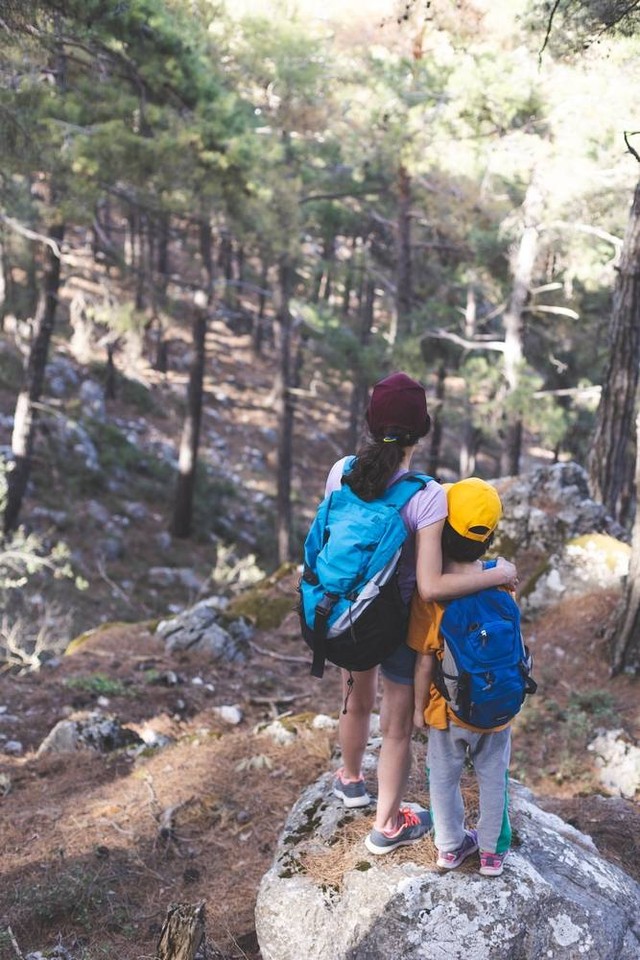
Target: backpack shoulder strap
<point>402,489</point>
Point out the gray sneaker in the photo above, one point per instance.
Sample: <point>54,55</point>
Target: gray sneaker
<point>453,859</point>
<point>353,793</point>
<point>415,823</point>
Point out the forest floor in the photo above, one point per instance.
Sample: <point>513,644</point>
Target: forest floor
<point>95,848</point>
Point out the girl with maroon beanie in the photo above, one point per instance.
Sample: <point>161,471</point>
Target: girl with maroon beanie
<point>397,419</point>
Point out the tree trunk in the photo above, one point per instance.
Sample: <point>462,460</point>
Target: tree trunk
<point>522,265</point>
<point>258,326</point>
<point>330,257</point>
<point>163,258</point>
<point>110,381</point>
<point>404,296</point>
<point>348,279</point>
<point>141,262</point>
<point>360,385</point>
<point>284,406</point>
<point>469,440</point>
<point>225,262</point>
<point>183,932</point>
<point>4,287</point>
<point>189,441</point>
<point>624,637</point>
<point>207,269</point>
<point>24,424</point>
<point>436,428</point>
<point>611,458</point>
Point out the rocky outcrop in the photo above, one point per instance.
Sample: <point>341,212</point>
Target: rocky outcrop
<point>201,628</point>
<point>580,548</point>
<point>557,898</point>
<point>617,759</point>
<point>93,731</point>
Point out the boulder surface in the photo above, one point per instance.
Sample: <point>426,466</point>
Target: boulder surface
<point>557,899</point>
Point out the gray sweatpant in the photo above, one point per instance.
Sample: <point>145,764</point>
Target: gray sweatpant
<point>490,754</point>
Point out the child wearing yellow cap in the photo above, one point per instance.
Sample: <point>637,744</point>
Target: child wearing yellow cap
<point>474,510</point>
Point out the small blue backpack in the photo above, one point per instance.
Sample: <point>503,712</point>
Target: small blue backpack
<point>350,609</point>
<point>485,669</point>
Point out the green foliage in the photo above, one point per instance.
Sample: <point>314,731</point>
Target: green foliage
<point>24,555</point>
<point>212,496</point>
<point>133,393</point>
<point>11,370</point>
<point>118,454</point>
<point>99,685</point>
<point>76,894</point>
<point>338,344</point>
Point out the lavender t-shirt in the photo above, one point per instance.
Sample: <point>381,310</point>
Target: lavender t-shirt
<point>425,507</point>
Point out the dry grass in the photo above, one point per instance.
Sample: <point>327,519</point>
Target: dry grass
<point>328,866</point>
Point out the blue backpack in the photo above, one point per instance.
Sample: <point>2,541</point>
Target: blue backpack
<point>350,609</point>
<point>485,669</point>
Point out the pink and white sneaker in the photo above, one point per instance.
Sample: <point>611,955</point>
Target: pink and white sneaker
<point>491,864</point>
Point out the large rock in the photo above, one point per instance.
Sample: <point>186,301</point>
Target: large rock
<point>579,547</point>
<point>199,628</point>
<point>556,900</point>
<point>549,507</point>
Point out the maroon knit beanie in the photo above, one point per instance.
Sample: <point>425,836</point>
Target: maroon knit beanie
<point>398,403</point>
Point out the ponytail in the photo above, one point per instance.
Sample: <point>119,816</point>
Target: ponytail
<point>376,462</point>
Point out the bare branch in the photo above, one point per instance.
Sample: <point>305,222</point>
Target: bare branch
<point>31,234</point>
<point>277,656</point>
<point>629,147</point>
<point>544,308</point>
<point>340,196</point>
<point>587,228</point>
<point>547,35</point>
<point>440,334</point>
<point>593,391</point>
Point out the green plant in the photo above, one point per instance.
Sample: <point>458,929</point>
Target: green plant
<point>77,895</point>
<point>11,370</point>
<point>99,685</point>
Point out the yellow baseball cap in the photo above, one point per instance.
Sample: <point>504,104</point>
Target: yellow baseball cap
<point>474,508</point>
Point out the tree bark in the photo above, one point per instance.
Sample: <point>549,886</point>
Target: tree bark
<point>110,381</point>
<point>436,428</point>
<point>611,458</point>
<point>285,409</point>
<point>4,286</point>
<point>360,385</point>
<point>225,262</point>
<point>523,262</point>
<point>259,322</point>
<point>183,932</point>
<point>624,638</point>
<point>24,424</point>
<point>469,444</point>
<point>190,439</point>
<point>404,294</point>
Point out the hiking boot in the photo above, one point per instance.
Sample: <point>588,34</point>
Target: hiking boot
<point>491,864</point>
<point>449,861</point>
<point>353,793</point>
<point>415,823</point>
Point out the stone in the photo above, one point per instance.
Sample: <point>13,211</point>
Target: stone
<point>556,900</point>
<point>198,629</point>
<point>95,731</point>
<point>585,564</point>
<point>550,513</point>
<point>617,758</point>
<point>229,713</point>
